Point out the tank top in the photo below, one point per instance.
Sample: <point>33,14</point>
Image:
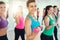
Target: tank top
<point>56,16</point>
<point>49,32</point>
<point>21,23</point>
<point>3,23</point>
<point>34,23</point>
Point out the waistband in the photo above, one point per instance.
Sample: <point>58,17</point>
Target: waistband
<point>3,36</point>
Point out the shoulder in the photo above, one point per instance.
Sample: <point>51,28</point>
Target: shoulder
<point>46,18</point>
<point>27,20</point>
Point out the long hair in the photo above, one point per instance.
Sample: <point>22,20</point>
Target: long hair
<point>47,8</point>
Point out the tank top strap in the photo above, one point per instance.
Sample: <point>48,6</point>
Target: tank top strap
<point>48,16</point>
<point>30,17</point>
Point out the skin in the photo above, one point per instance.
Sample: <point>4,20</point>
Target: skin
<point>7,13</point>
<point>55,11</point>
<point>3,31</point>
<point>46,19</point>
<point>29,34</point>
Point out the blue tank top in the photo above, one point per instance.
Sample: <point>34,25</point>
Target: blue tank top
<point>34,23</point>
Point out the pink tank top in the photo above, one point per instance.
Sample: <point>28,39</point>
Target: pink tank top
<point>21,24</point>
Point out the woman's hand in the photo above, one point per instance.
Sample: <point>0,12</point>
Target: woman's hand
<point>36,30</point>
<point>32,36</point>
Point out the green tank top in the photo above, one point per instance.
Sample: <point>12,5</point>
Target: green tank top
<point>49,32</point>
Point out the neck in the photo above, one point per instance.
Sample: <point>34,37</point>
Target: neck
<point>55,12</point>
<point>49,14</point>
<point>31,14</point>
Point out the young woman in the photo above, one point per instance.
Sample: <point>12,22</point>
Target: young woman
<point>49,22</point>
<point>56,17</point>
<point>31,24</point>
<point>3,22</point>
<point>19,29</point>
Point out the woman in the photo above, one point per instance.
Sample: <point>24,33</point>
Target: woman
<point>56,17</point>
<point>31,24</point>
<point>19,29</point>
<point>49,22</point>
<point>3,22</point>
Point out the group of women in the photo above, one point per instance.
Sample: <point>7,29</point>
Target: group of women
<point>31,27</point>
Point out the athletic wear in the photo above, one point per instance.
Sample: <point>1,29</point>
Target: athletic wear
<point>34,23</point>
<point>3,37</point>
<point>55,29</point>
<point>45,37</point>
<point>19,32</point>
<point>49,31</point>
<point>21,23</point>
<point>3,23</point>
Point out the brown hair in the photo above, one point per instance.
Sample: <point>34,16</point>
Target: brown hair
<point>30,1</point>
<point>1,2</point>
<point>47,8</point>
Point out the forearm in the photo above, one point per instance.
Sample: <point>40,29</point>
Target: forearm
<point>32,36</point>
<point>17,21</point>
<point>48,27</point>
<point>57,21</point>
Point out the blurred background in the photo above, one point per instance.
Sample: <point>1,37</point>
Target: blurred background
<point>12,5</point>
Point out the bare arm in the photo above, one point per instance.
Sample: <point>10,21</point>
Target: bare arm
<point>16,19</point>
<point>30,35</point>
<point>46,22</point>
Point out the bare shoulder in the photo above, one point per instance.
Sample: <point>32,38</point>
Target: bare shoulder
<point>27,20</point>
<point>46,18</point>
